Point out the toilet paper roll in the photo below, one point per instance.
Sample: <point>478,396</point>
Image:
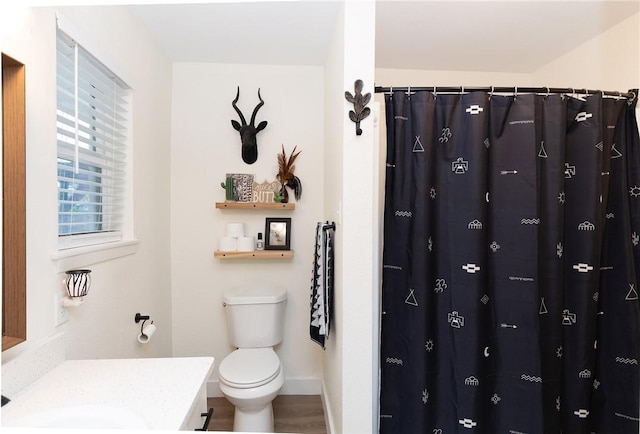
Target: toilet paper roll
<point>228,244</point>
<point>235,229</point>
<point>146,334</point>
<point>246,244</point>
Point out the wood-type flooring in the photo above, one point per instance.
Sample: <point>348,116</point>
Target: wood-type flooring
<point>292,413</point>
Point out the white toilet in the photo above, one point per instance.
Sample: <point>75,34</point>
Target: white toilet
<point>252,376</point>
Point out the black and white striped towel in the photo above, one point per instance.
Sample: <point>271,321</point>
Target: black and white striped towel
<point>322,284</point>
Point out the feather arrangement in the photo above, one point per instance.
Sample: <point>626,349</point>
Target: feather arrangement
<point>286,169</point>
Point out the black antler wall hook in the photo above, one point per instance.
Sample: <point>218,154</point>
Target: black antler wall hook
<point>359,112</point>
<point>248,131</point>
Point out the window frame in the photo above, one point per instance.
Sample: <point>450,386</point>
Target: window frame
<point>82,142</point>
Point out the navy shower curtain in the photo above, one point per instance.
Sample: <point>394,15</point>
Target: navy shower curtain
<point>510,267</point>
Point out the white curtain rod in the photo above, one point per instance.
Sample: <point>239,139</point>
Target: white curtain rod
<point>632,94</point>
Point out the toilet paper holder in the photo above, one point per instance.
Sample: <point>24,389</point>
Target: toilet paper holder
<point>143,318</point>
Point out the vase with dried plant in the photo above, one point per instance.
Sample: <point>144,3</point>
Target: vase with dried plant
<point>286,177</point>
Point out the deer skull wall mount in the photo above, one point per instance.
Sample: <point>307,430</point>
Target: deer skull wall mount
<point>248,131</point>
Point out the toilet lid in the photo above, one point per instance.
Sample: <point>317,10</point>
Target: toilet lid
<point>249,367</point>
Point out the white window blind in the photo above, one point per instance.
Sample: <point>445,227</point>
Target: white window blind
<point>92,128</point>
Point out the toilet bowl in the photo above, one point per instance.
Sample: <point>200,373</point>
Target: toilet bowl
<point>250,379</point>
<point>252,375</point>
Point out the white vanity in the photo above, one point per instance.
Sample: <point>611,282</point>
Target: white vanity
<point>155,393</point>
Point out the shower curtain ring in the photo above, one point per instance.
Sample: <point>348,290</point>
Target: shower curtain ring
<point>515,93</point>
<point>435,93</point>
<point>409,92</point>
<point>491,93</point>
<point>548,91</point>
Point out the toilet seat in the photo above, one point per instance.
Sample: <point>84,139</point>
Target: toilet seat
<point>249,367</point>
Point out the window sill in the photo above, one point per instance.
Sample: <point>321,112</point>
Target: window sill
<point>84,256</point>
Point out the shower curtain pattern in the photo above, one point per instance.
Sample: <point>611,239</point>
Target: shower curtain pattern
<point>511,248</point>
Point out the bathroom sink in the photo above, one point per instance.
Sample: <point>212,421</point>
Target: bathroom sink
<point>83,416</point>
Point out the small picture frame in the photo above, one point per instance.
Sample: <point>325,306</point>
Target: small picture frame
<point>277,233</point>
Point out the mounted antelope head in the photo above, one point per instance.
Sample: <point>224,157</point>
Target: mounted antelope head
<point>249,131</point>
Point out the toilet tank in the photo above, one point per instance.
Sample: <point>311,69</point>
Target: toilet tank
<point>255,316</point>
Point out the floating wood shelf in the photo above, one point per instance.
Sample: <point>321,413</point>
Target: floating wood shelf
<point>256,254</point>
<point>254,205</point>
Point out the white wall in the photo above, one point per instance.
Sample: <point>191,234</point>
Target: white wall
<point>415,77</point>
<point>350,182</point>
<point>333,181</point>
<point>610,61</point>
<point>204,147</point>
<point>358,231</point>
<point>103,327</point>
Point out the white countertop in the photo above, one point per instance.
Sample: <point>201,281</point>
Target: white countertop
<point>160,390</point>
